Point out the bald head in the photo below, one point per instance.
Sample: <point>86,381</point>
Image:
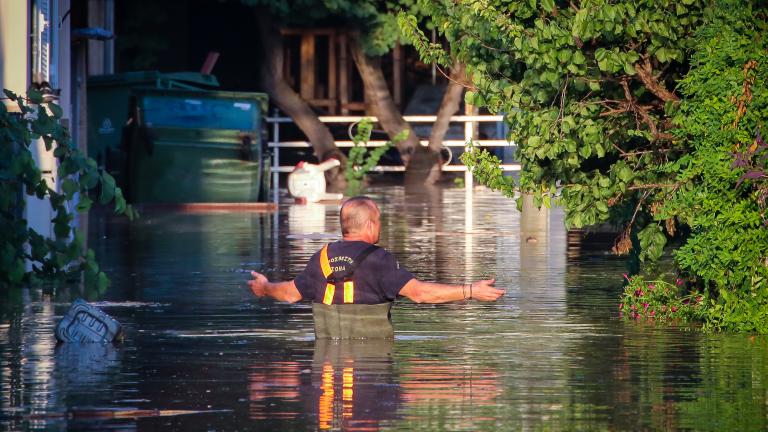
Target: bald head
<point>357,214</point>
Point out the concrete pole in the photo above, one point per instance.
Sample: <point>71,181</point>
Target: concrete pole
<point>470,133</point>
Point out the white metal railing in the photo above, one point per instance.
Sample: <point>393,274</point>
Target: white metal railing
<point>469,129</point>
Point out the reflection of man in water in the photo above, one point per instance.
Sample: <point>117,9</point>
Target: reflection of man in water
<point>352,386</point>
<point>352,283</point>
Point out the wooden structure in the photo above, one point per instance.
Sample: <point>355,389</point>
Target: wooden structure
<point>318,64</point>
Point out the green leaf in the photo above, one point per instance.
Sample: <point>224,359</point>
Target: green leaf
<point>107,188</point>
<point>469,97</point>
<point>17,270</point>
<point>35,96</point>
<point>600,150</point>
<point>625,174</point>
<point>578,58</point>
<point>84,204</point>
<point>534,141</point>
<point>577,220</point>
<point>61,226</point>
<point>102,282</point>
<point>120,204</point>
<point>652,242</point>
<point>69,187</point>
<point>585,151</point>
<point>56,110</point>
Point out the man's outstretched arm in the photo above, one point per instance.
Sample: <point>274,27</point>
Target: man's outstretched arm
<point>280,291</point>
<point>430,292</point>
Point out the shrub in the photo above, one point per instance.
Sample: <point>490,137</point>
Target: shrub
<point>659,300</point>
<point>62,257</point>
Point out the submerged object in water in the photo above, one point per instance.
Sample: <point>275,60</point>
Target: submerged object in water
<point>87,323</point>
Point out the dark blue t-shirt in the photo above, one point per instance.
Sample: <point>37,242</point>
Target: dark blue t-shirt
<point>378,279</point>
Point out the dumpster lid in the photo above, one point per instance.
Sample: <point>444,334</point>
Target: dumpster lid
<point>143,77</point>
<point>201,109</point>
<point>193,78</point>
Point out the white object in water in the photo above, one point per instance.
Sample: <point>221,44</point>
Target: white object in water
<point>307,181</point>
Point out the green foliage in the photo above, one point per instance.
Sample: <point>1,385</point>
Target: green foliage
<point>652,242</point>
<point>567,77</point>
<point>60,258</point>
<point>428,51</point>
<point>660,301</point>
<point>588,91</point>
<point>486,168</point>
<point>360,160</point>
<point>723,201</point>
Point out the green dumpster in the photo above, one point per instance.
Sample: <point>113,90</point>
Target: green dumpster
<point>109,105</point>
<point>196,146</point>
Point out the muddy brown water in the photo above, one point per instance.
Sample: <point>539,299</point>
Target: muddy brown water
<point>202,354</point>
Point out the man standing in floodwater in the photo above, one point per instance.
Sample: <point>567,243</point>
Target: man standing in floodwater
<point>353,283</point>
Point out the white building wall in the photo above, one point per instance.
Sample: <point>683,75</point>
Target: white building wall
<point>22,63</point>
<point>14,44</point>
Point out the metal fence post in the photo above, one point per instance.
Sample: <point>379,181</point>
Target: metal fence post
<point>276,155</point>
<point>471,122</point>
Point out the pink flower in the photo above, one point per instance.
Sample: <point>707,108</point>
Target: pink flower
<point>621,306</point>
<point>699,299</point>
<point>645,306</point>
<point>634,307</point>
<point>686,301</point>
<point>651,287</point>
<point>674,309</point>
<point>678,281</point>
<point>653,313</point>
<point>639,292</point>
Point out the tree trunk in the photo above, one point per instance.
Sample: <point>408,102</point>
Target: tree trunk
<point>291,103</point>
<point>378,94</point>
<point>448,107</point>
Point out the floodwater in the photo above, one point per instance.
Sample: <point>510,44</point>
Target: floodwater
<point>201,353</point>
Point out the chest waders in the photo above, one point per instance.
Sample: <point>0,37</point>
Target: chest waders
<point>338,317</point>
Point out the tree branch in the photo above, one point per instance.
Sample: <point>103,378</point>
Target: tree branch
<point>655,186</point>
<point>645,73</point>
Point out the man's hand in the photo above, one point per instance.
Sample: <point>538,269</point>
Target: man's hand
<point>258,284</point>
<point>484,290</point>
<point>280,291</point>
